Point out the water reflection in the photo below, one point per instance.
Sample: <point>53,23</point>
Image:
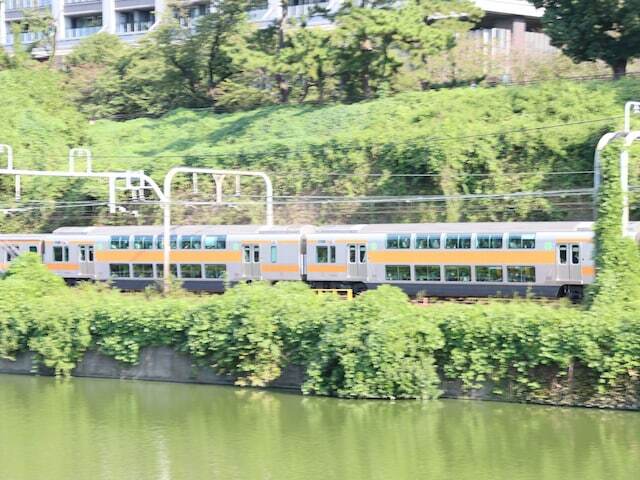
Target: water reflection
<point>87,428</point>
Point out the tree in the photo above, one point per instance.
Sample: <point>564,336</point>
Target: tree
<point>309,58</point>
<point>41,22</point>
<point>589,30</point>
<point>375,38</point>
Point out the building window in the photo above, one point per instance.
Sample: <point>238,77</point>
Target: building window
<point>521,274</point>
<point>173,268</point>
<point>119,270</point>
<point>431,240</point>
<point>142,270</point>
<point>457,273</point>
<point>427,273</point>
<point>489,240</point>
<point>215,242</point>
<point>489,274</point>
<point>60,254</point>
<point>395,241</point>
<point>190,242</point>
<point>119,242</point>
<point>458,241</point>
<point>143,242</point>
<point>173,242</point>
<point>401,273</point>
<point>524,241</point>
<point>274,254</point>
<point>215,271</point>
<point>326,254</point>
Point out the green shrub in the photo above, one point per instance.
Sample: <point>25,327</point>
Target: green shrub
<point>378,346</point>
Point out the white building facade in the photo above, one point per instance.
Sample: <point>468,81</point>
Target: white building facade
<point>507,23</point>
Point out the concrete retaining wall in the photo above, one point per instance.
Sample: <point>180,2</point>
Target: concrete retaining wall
<point>155,363</point>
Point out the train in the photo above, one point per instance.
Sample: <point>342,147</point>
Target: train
<point>546,259</point>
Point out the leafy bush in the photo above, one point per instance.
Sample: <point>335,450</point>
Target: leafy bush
<point>378,346</point>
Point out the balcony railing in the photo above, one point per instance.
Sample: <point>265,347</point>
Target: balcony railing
<point>82,31</point>
<point>26,4</point>
<point>26,37</point>
<point>134,27</point>
<point>307,8</point>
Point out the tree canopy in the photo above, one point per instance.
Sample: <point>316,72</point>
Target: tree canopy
<point>588,30</point>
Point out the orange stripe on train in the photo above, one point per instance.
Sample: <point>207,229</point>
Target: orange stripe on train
<point>177,256</point>
<point>458,257</point>
<point>275,268</point>
<point>326,268</point>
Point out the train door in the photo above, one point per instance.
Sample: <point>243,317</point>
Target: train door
<point>251,261</point>
<point>86,259</point>
<point>357,261</point>
<point>569,262</point>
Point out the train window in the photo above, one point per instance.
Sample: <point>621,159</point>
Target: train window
<point>575,254</point>
<point>173,268</point>
<point>458,240</point>
<point>363,253</point>
<point>215,242</point>
<point>431,240</point>
<point>33,249</point>
<point>563,254</point>
<point>427,273</point>
<point>215,271</point>
<point>173,242</point>
<point>143,242</point>
<point>119,270</point>
<point>457,273</point>
<point>119,242</point>
<point>274,254</point>
<point>521,274</point>
<point>352,254</point>
<point>489,240</point>
<point>12,252</point>
<point>142,270</point>
<point>191,270</point>
<point>398,273</point>
<point>60,254</point>
<point>247,253</point>
<point>256,254</point>
<point>326,254</point>
<point>525,241</point>
<point>398,241</point>
<point>488,274</point>
<point>190,242</point>
<point>83,253</point>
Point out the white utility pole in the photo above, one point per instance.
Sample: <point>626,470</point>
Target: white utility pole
<point>218,178</point>
<point>137,182</point>
<point>629,138</point>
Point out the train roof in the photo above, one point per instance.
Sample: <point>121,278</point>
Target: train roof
<point>460,227</point>
<point>185,230</point>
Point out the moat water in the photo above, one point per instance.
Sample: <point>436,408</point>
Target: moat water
<point>110,429</point>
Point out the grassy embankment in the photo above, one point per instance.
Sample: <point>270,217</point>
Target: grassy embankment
<point>377,346</point>
<point>451,134</point>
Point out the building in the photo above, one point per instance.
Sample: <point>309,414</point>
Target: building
<point>508,23</point>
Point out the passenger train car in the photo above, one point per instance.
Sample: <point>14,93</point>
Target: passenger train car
<point>551,259</point>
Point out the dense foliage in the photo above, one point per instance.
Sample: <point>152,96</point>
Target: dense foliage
<point>376,346</point>
<point>588,30</point>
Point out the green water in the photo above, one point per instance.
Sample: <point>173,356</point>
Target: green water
<point>110,429</point>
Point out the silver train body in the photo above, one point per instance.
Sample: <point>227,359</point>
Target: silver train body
<point>441,259</point>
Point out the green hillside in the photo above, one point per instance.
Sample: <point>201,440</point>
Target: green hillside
<point>467,140</point>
